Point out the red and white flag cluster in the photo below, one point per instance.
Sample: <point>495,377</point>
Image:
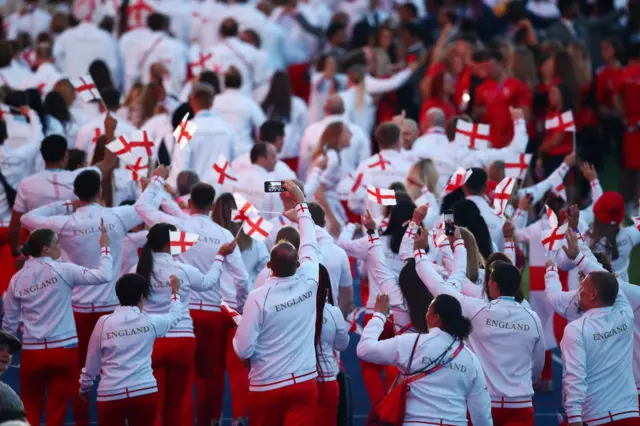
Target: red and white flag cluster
<point>86,88</point>
<point>384,197</point>
<point>472,135</point>
<point>552,238</point>
<point>222,169</point>
<point>458,179</point>
<point>231,313</point>
<point>557,187</point>
<point>502,195</point>
<point>180,242</point>
<point>134,149</point>
<point>200,61</point>
<point>184,132</point>
<point>516,165</point>
<point>245,208</point>
<point>562,122</point>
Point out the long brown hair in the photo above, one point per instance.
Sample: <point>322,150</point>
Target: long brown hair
<point>609,232</point>
<point>330,138</point>
<point>107,181</point>
<point>323,297</point>
<point>474,258</point>
<point>277,105</point>
<point>150,101</point>
<point>222,216</point>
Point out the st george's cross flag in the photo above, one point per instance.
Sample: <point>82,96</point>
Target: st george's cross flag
<point>256,227</point>
<point>502,195</point>
<point>180,242</point>
<point>472,135</point>
<point>86,88</point>
<point>458,179</point>
<point>562,122</point>
<point>245,208</point>
<point>222,170</point>
<point>516,165</point>
<point>184,132</point>
<point>383,197</point>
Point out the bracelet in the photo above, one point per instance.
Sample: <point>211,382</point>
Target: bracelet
<point>371,231</point>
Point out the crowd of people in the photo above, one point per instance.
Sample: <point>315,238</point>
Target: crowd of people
<point>193,188</point>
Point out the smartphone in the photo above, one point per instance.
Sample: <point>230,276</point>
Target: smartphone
<point>448,223</point>
<point>274,186</point>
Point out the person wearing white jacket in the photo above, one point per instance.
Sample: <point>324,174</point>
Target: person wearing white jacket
<point>173,355</point>
<point>446,377</point>
<point>39,295</point>
<point>211,324</point>
<point>507,336</point>
<point>78,225</point>
<point>276,332</point>
<point>331,337</point>
<point>120,352</point>
<point>597,356</point>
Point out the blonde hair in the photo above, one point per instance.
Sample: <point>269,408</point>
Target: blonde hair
<point>329,139</point>
<point>425,171</point>
<point>474,259</point>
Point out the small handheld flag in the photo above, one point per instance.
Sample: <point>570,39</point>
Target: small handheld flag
<point>223,169</point>
<point>180,242</point>
<point>384,197</point>
<point>502,195</point>
<point>516,165</point>
<point>472,135</point>
<point>458,179</point>
<point>184,132</point>
<point>86,88</point>
<point>256,227</point>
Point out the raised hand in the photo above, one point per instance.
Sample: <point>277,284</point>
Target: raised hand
<point>368,222</point>
<point>228,248</point>
<point>105,241</point>
<point>421,241</point>
<point>383,305</point>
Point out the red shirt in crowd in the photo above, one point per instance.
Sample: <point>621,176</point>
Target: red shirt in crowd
<point>607,79</point>
<point>462,86</point>
<point>629,90</point>
<point>586,116</point>
<point>497,98</point>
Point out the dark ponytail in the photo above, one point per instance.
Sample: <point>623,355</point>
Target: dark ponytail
<point>36,241</point>
<point>123,18</point>
<point>324,295</point>
<point>157,239</point>
<point>450,312</point>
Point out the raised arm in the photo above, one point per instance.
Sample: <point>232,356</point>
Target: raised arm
<point>370,349</point>
<point>308,254</point>
<point>163,323</point>
<point>355,248</point>
<point>538,190</point>
<point>76,275</point>
<point>379,86</point>
<point>377,263</point>
<point>54,216</point>
<point>563,302</point>
<point>147,206</point>
<point>203,282</point>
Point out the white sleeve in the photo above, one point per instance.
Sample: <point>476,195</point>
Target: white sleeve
<point>163,323</point>
<point>244,342</point>
<point>76,275</point>
<point>94,358</point>
<point>478,399</point>
<point>370,349</point>
<point>47,216</point>
<point>11,305</point>
<point>406,245</point>
<point>341,341</point>
<point>537,357</point>
<point>574,363</point>
<point>235,266</point>
<point>379,86</point>
<point>385,278</point>
<point>563,302</point>
<point>538,190</point>
<point>147,206</point>
<point>202,282</point>
<point>346,280</point>
<point>436,285</point>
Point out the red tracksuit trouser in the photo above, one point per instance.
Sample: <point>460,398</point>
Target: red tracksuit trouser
<point>211,330</point>
<point>328,399</point>
<point>512,416</point>
<point>52,371</point>
<point>293,405</point>
<point>238,379</point>
<point>136,411</point>
<point>372,373</point>
<point>85,323</point>
<point>172,361</point>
